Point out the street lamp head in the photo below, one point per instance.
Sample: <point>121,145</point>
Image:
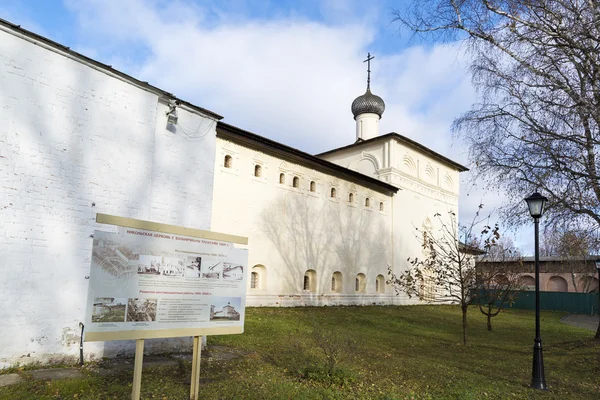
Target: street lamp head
<point>536,203</point>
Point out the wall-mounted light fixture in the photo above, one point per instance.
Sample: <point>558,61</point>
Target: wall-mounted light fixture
<point>172,113</point>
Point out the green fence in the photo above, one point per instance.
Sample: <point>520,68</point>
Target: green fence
<point>575,303</point>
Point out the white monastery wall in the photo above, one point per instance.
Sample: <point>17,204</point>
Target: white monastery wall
<point>293,230</point>
<point>74,141</point>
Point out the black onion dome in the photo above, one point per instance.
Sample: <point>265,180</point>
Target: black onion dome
<point>368,103</point>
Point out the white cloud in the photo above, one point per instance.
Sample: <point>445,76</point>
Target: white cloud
<point>290,79</point>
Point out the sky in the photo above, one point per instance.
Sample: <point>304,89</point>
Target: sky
<point>284,69</point>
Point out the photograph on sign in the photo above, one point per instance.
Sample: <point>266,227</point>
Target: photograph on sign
<point>144,280</point>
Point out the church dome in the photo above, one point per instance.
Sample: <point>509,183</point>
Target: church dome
<point>368,103</point>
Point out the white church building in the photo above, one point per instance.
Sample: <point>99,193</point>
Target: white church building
<point>78,137</point>
<point>324,229</point>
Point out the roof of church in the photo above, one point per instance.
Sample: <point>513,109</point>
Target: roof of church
<point>405,140</point>
<point>104,67</point>
<point>368,103</point>
<point>262,143</point>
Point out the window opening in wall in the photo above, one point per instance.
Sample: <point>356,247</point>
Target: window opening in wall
<point>426,229</point>
<point>257,171</point>
<point>310,281</point>
<point>381,206</point>
<point>254,280</point>
<point>360,283</point>
<point>296,182</point>
<point>350,198</point>
<point>380,284</point>
<point>282,178</point>
<point>367,202</point>
<point>332,193</point>
<point>428,289</point>
<point>258,277</point>
<point>227,162</point>
<point>313,186</point>
<point>336,282</point>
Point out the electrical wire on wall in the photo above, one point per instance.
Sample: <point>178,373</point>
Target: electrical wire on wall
<point>199,133</point>
<point>191,134</point>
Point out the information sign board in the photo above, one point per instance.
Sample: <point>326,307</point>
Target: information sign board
<point>156,281</point>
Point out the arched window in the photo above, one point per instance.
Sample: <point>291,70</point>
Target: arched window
<point>428,288</point>
<point>501,279</point>
<point>426,229</point>
<point>296,182</point>
<point>228,161</point>
<point>591,284</point>
<point>381,206</point>
<point>336,282</point>
<point>254,280</point>
<point>367,202</point>
<point>360,283</point>
<point>380,284</point>
<point>309,283</point>
<point>257,171</point>
<point>258,277</point>
<point>528,282</point>
<point>313,186</point>
<point>282,178</point>
<point>350,197</point>
<point>557,284</point>
<point>332,194</point>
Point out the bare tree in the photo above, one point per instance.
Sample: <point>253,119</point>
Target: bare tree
<point>447,271</point>
<point>498,278</point>
<point>536,66</point>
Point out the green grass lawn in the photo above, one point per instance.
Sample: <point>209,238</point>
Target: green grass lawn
<point>411,352</point>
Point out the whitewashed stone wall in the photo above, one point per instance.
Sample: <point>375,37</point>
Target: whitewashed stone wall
<point>75,141</point>
<point>293,230</point>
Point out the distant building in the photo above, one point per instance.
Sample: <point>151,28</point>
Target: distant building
<point>557,274</point>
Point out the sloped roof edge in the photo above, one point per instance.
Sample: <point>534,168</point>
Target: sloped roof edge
<point>241,135</point>
<point>405,140</point>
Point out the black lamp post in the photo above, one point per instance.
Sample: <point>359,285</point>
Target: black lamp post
<point>598,268</point>
<point>536,203</point>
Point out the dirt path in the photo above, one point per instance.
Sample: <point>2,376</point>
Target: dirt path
<point>581,321</point>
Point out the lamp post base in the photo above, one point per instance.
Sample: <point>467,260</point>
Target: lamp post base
<point>538,378</point>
